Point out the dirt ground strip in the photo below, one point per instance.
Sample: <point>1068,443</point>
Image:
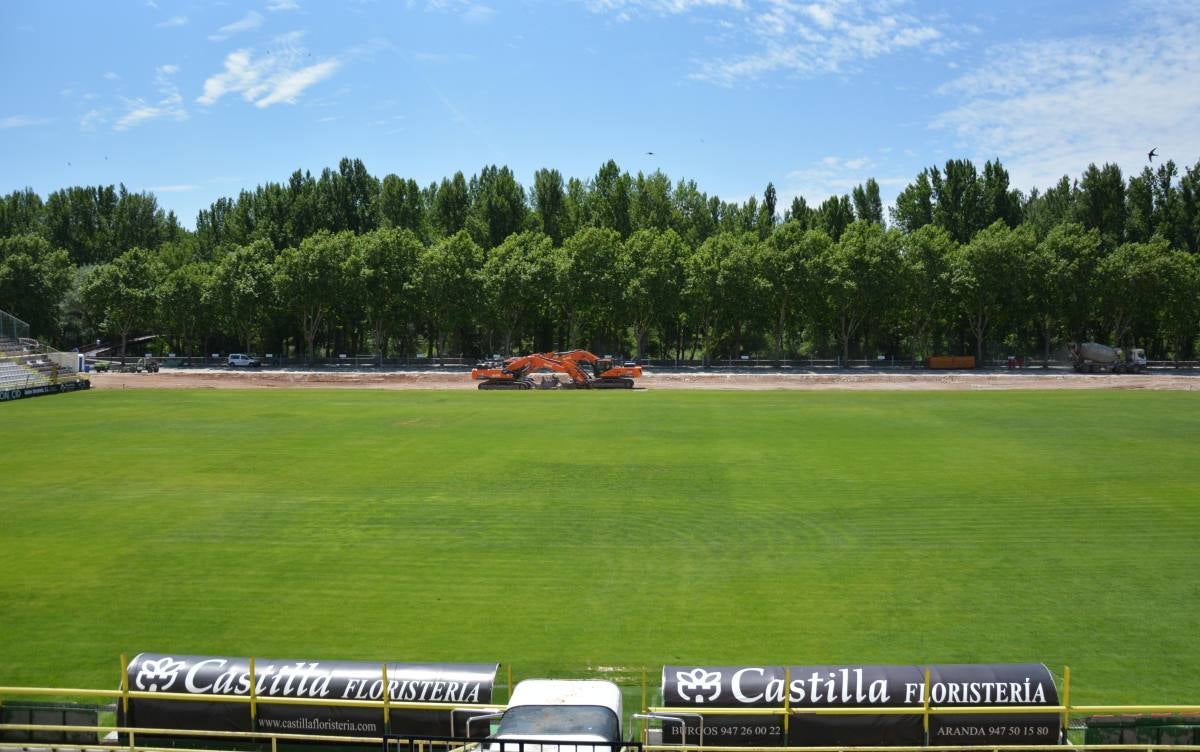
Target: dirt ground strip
<point>847,381</point>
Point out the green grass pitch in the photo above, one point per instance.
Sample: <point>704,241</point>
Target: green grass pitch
<point>565,532</point>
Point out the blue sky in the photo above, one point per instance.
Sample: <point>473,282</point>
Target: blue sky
<point>196,100</point>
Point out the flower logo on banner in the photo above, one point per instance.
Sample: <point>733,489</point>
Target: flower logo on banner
<point>158,675</point>
<point>699,686</point>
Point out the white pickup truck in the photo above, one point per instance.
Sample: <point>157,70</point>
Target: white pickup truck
<point>241,359</point>
<point>569,713</point>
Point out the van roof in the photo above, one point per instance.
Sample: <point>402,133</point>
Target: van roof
<point>566,692</point>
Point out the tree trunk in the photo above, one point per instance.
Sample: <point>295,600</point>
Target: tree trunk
<point>1046,337</point>
<point>980,325</point>
<point>779,332</point>
<point>918,332</point>
<point>846,330</point>
<point>377,335</point>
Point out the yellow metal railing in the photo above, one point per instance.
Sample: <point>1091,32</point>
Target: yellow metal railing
<point>958,748</point>
<point>386,705</point>
<point>126,695</point>
<point>1065,709</point>
<point>931,710</point>
<point>252,699</point>
<point>926,710</point>
<point>133,731</point>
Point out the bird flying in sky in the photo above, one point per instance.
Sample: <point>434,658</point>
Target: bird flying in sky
<point>1153,153</point>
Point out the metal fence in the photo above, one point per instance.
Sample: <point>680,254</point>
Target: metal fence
<point>650,713</point>
<point>732,365</point>
<point>400,743</point>
<point>13,327</point>
<point>348,362</point>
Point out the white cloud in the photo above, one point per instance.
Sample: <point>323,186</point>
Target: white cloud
<point>248,22</point>
<point>458,115</point>
<point>138,113</point>
<point>169,104</point>
<point>626,8</point>
<point>832,176</point>
<point>1048,108</point>
<point>831,37</point>
<point>271,79</point>
<point>793,37</point>
<point>821,15</point>
<point>91,119</point>
<point>276,6</point>
<point>288,86</point>
<point>239,75</point>
<point>478,13</point>
<point>172,22</point>
<point>111,76</point>
<point>22,121</point>
<point>468,10</point>
<point>181,188</point>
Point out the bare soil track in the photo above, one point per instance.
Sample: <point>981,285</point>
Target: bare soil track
<point>842,380</point>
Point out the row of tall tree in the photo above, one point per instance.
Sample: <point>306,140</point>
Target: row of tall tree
<point>799,292</point>
<point>621,263</point>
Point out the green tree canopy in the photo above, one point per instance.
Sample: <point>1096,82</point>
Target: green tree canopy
<point>122,295</point>
<point>447,282</point>
<point>308,280</point>
<point>33,279</point>
<point>989,274</point>
<point>858,279</point>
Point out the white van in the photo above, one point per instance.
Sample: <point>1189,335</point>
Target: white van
<point>571,713</point>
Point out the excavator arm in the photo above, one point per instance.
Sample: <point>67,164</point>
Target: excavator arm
<point>602,368</point>
<point>514,373</point>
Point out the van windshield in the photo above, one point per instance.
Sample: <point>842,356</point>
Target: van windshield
<point>537,721</point>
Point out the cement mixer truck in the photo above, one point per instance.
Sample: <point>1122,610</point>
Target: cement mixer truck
<point>1089,357</point>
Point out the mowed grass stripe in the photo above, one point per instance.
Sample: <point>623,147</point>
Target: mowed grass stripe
<point>566,531</point>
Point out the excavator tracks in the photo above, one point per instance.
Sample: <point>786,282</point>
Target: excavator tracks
<point>614,383</point>
<point>511,386</point>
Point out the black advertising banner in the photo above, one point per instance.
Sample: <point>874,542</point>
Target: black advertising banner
<point>854,687</point>
<point>966,685</point>
<point>461,684</point>
<point>861,686</point>
<point>724,687</point>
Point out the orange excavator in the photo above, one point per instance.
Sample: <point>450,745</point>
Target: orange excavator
<point>603,369</point>
<point>517,373</point>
